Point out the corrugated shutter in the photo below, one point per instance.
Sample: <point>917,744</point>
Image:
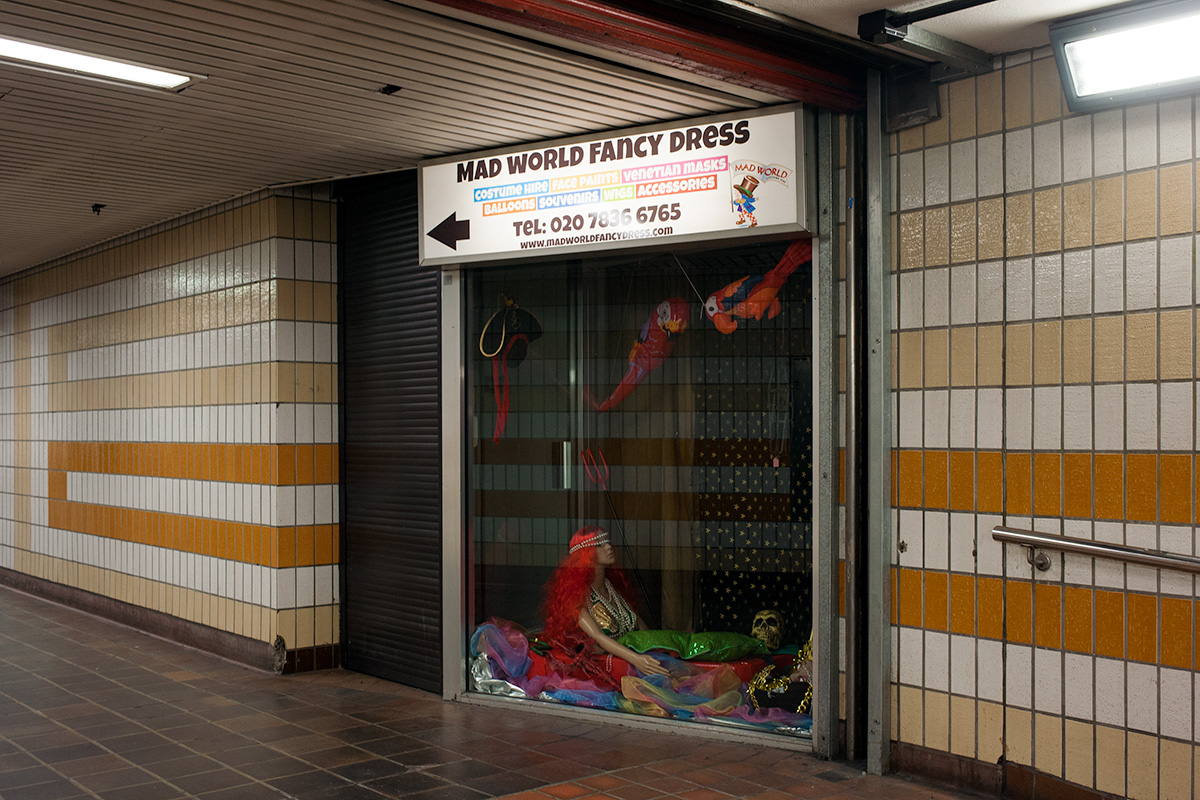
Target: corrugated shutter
<point>390,437</point>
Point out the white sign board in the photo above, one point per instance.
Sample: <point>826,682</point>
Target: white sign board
<point>728,176</point>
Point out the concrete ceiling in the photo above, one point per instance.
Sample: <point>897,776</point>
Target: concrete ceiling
<point>290,94</point>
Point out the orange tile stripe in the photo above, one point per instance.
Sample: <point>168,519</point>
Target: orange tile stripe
<point>300,546</point>
<point>272,465</point>
<point>1141,487</point>
<point>1115,624</point>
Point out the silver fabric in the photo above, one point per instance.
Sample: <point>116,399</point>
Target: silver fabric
<point>483,681</point>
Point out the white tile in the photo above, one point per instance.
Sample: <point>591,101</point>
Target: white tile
<point>991,419</point>
<point>1141,136</point>
<point>305,587</point>
<point>1018,288</point>
<point>991,291</point>
<point>323,585</point>
<point>1177,404</point>
<point>1047,418</point>
<point>962,542</point>
<point>285,588</point>
<point>1142,680</point>
<point>1018,419</point>
<point>1047,286</point>
<point>1047,155</point>
<point>1175,130</point>
<point>1077,282</point>
<point>1110,692</point>
<point>1177,266</point>
<point>1018,161</point>
<point>937,661</point>
<point>283,253</point>
<point>1047,681</point>
<point>937,418</point>
<point>1110,417</point>
<point>991,670</point>
<point>1109,141</point>
<point>1077,417</point>
<point>912,419</point>
<point>304,260</point>
<point>962,418</point>
<point>1078,685</point>
<point>912,180</point>
<point>1175,699</point>
<point>911,656</point>
<point>937,540</point>
<point>989,553</point>
<point>1141,416</point>
<point>937,297</point>
<point>937,175</point>
<point>1141,270</point>
<point>911,539</point>
<point>962,665</point>
<point>1109,573</point>
<point>1109,270</point>
<point>962,170</point>
<point>962,294</point>
<point>304,341</point>
<point>991,165</point>
<point>1018,670</point>
<point>912,299</point>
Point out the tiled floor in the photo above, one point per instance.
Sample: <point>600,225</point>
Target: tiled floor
<point>91,709</point>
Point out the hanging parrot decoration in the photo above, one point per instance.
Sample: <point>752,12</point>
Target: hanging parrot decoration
<point>756,295</point>
<point>653,345</point>
<point>505,340</point>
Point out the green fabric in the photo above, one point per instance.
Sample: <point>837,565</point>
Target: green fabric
<point>705,646</point>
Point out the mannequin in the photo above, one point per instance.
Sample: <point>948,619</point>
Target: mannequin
<point>587,609</point>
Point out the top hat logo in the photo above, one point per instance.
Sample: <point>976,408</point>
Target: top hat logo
<point>749,184</point>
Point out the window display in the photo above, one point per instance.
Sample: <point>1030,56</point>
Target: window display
<point>640,488</point>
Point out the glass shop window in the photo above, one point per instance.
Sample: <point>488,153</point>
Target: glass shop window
<point>640,484</point>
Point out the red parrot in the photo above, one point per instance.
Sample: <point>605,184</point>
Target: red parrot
<point>653,345</point>
<point>756,295</point>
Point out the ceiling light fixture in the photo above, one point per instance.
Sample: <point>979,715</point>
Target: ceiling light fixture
<point>59,60</point>
<point>1130,53</point>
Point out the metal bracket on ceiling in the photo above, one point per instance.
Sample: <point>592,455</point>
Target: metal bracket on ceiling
<point>952,59</point>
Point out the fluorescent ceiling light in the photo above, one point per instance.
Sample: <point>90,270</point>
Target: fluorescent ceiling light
<point>1132,53</point>
<point>65,60</point>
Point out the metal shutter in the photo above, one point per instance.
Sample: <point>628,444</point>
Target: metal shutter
<point>390,436</point>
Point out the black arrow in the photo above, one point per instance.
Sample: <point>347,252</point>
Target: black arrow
<point>450,231</point>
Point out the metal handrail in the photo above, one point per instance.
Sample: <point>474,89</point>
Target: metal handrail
<point>1087,547</point>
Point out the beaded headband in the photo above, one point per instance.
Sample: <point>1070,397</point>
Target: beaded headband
<point>596,539</point>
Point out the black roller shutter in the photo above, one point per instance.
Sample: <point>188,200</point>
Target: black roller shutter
<point>390,436</point>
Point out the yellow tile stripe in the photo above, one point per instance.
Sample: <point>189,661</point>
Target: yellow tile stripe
<point>265,545</point>
<point>269,464</point>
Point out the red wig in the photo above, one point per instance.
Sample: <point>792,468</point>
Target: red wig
<point>566,592</point>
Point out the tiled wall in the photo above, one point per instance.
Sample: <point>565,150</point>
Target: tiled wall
<point>1045,368</point>
<point>168,433</point>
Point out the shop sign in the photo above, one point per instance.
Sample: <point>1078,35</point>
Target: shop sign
<point>741,174</point>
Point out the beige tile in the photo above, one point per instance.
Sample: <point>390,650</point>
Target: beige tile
<point>962,109</point>
<point>1017,96</point>
<point>283,218</point>
<point>323,625</point>
<point>1142,766</point>
<point>1048,101</point>
<point>912,240</point>
<point>1141,347</point>
<point>1018,209</point>
<point>305,632</point>
<point>895,361</point>
<point>1047,352</point>
<point>989,102</point>
<point>1047,220</point>
<point>1109,344</point>
<point>990,349</point>
<point>1141,205</point>
<point>962,356</point>
<point>1176,200</point>
<point>1018,739</point>
<point>895,243</point>
<point>1110,760</point>
<point>1077,351</point>
<point>911,715</point>
<point>991,229</point>
<point>1175,350</point>
<point>962,726</point>
<point>963,233</point>
<point>938,131</point>
<point>285,626</point>
<point>1109,198</point>
<point>1079,747</point>
<point>937,237</point>
<point>1174,770</point>
<point>911,359</point>
<point>911,139</point>
<point>937,358</point>
<point>1018,355</point>
<point>937,721</point>
<point>1048,738</point>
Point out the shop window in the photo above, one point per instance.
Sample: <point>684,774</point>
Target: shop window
<point>609,406</point>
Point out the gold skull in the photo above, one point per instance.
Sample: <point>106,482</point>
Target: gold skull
<point>768,626</point>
